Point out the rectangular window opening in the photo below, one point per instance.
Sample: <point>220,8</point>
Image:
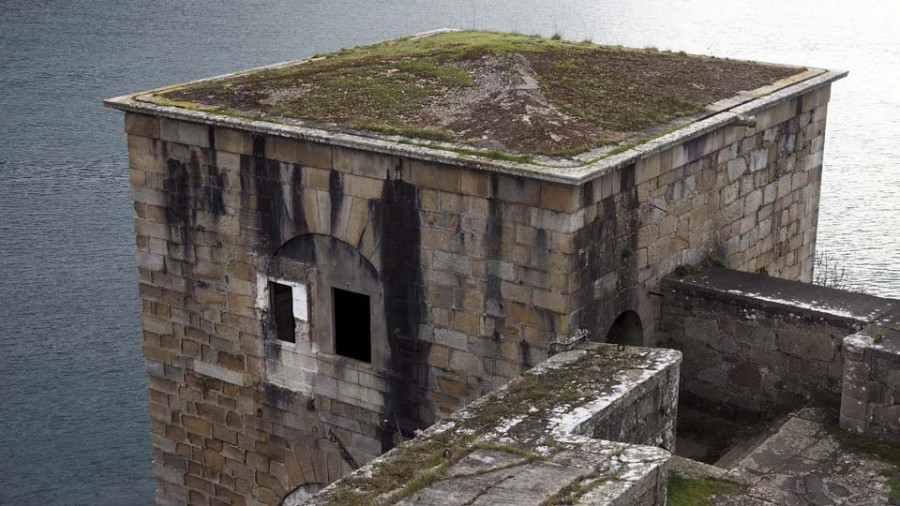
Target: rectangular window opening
<point>352,326</point>
<point>282,311</point>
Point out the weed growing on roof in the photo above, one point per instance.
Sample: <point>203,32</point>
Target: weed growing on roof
<point>607,92</point>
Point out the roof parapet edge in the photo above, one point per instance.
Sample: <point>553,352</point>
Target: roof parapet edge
<point>564,175</point>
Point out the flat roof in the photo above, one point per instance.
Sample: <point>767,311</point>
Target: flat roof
<point>527,105</point>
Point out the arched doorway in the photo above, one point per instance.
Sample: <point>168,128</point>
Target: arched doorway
<point>627,329</point>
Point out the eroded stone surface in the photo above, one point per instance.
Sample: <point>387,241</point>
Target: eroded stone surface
<point>526,484</point>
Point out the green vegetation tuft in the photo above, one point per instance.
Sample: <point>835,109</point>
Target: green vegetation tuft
<point>715,262</point>
<point>431,134</point>
<point>889,453</point>
<point>493,154</point>
<point>688,270</point>
<point>697,492</point>
<point>691,269</point>
<point>894,483</point>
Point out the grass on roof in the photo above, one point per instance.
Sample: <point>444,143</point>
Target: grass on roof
<point>588,95</point>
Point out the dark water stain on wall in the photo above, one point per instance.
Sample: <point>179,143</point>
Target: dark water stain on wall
<point>179,198</point>
<point>493,247</point>
<point>191,186</point>
<point>398,226</point>
<point>607,252</point>
<point>180,212</point>
<point>298,212</point>
<point>336,194</point>
<point>213,193</point>
<point>187,190</point>
<point>696,146</point>
<point>260,177</point>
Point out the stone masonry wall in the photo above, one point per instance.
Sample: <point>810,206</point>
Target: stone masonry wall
<point>480,271</point>
<point>750,355</point>
<point>748,196</point>
<point>870,400</point>
<point>475,272</point>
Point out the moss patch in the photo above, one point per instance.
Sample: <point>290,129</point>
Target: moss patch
<point>506,92</point>
<point>698,492</point>
<point>574,385</point>
<point>884,451</point>
<point>684,270</point>
<point>894,483</point>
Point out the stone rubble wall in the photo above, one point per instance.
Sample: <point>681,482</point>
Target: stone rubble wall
<point>746,196</point>
<point>751,357</point>
<point>870,401</point>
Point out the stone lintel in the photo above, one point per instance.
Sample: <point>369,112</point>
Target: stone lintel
<point>219,373</point>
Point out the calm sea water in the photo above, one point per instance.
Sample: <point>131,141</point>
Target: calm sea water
<point>73,418</point>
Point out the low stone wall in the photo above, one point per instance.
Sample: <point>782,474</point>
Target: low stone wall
<point>758,345</point>
<point>533,440</point>
<point>870,402</point>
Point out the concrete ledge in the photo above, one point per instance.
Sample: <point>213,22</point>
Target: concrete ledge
<point>531,440</point>
<point>802,300</point>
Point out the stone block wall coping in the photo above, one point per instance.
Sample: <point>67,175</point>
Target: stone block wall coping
<point>881,338</point>
<point>870,403</point>
<point>572,172</point>
<point>542,419</point>
<point>790,298</point>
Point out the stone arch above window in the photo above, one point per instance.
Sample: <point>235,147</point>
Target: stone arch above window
<point>343,295</point>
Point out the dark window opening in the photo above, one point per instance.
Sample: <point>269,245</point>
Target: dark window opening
<point>352,333</point>
<point>282,311</point>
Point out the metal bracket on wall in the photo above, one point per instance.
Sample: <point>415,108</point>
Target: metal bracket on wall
<point>566,343</point>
